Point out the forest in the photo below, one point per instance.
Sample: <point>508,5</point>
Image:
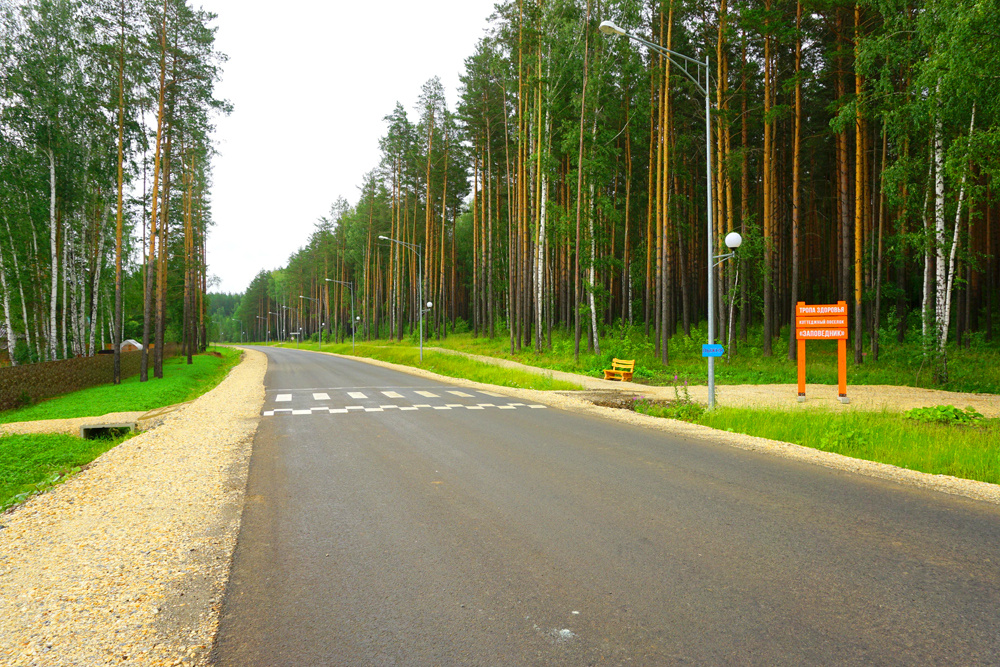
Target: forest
<point>853,146</point>
<point>106,111</point>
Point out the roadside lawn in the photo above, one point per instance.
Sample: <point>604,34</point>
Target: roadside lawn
<point>33,463</point>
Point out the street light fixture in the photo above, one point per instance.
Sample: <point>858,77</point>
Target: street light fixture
<point>703,86</point>
<point>319,336</point>
<point>236,319</point>
<point>268,328</point>
<point>417,248</point>
<point>350,284</point>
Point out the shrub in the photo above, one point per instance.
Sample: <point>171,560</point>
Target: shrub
<point>945,414</point>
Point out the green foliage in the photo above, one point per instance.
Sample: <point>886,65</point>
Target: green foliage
<point>30,464</point>
<point>945,414</point>
<point>885,437</point>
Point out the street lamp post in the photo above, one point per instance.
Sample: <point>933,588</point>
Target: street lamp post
<point>350,284</point>
<point>703,86</point>
<point>236,319</point>
<point>420,285</point>
<point>319,337</point>
<point>267,327</point>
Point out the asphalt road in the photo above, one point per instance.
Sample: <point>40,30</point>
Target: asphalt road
<point>506,534</point>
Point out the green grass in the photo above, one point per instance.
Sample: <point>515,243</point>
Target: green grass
<point>966,450</point>
<point>30,464</point>
<point>180,383</point>
<point>450,365</point>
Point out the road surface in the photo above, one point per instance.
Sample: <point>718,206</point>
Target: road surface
<point>392,520</point>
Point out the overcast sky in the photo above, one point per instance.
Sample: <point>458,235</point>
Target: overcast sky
<point>310,82</point>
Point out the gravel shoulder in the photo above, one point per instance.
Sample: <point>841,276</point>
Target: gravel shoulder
<point>126,562</point>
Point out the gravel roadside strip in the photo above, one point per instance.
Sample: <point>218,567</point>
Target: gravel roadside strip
<point>126,562</point>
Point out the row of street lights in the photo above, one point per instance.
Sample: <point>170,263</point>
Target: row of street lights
<point>701,78</point>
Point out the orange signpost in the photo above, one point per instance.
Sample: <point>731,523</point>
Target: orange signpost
<point>822,322</point>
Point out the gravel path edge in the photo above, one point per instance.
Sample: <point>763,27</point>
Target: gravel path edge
<point>127,562</point>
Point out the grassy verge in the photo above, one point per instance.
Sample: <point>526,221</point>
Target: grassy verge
<point>30,464</point>
<point>966,450</point>
<point>451,366</point>
<point>180,383</point>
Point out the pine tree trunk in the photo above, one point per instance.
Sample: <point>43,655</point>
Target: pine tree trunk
<point>796,185</point>
<point>579,188</point>
<point>116,336</point>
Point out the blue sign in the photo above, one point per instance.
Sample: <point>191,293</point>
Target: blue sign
<point>712,350</point>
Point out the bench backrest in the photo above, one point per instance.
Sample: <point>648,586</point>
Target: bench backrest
<point>623,364</point>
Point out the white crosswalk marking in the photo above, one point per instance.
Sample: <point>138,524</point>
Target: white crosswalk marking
<point>325,396</point>
<point>490,393</point>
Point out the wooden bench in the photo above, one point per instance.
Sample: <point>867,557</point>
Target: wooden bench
<point>621,370</point>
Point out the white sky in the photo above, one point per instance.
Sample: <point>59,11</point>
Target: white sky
<point>310,82</point>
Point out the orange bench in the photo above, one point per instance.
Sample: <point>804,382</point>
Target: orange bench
<point>621,370</point>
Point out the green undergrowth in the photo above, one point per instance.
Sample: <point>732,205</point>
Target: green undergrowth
<point>966,449</point>
<point>975,368</point>
<point>452,365</point>
<point>180,383</point>
<point>30,464</point>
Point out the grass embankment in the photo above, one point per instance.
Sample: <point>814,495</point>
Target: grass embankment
<point>180,383</point>
<point>966,449</point>
<point>33,463</point>
<point>449,365</point>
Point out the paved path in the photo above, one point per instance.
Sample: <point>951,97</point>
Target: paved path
<point>446,534</point>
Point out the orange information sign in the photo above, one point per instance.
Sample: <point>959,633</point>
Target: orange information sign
<point>822,322</point>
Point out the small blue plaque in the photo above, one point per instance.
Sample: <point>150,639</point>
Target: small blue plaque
<point>712,350</point>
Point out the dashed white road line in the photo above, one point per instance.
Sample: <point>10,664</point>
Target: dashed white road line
<point>356,394</point>
<point>283,398</point>
<point>321,397</point>
<point>427,394</point>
